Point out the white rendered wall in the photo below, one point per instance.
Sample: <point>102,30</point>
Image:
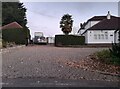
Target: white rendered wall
<point>86,37</point>
<point>88,25</point>
<point>51,40</point>
<point>91,39</point>
<point>117,35</point>
<point>94,22</point>
<point>81,31</point>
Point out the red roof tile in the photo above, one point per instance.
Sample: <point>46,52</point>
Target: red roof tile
<point>12,25</point>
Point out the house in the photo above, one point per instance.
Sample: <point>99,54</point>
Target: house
<point>9,26</point>
<point>101,29</point>
<point>12,25</point>
<point>50,40</point>
<point>13,32</point>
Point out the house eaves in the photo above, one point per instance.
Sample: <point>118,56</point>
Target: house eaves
<point>12,25</point>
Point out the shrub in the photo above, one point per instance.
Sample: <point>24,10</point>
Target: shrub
<point>106,57</point>
<point>4,44</point>
<point>14,35</point>
<point>115,50</point>
<point>102,55</point>
<point>115,53</point>
<point>66,40</point>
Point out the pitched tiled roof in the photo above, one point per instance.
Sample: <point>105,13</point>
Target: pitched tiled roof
<point>107,24</point>
<point>12,25</point>
<point>97,18</point>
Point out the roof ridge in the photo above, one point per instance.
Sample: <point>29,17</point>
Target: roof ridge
<point>103,16</point>
<point>12,23</point>
<point>114,19</point>
<point>98,17</point>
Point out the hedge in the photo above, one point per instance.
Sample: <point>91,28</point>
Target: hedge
<point>61,40</point>
<point>14,35</point>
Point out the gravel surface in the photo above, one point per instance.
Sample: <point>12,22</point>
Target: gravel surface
<point>49,62</point>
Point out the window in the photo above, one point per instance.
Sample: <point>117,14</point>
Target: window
<point>95,36</point>
<point>102,36</point>
<point>98,36</point>
<point>111,35</point>
<point>106,35</point>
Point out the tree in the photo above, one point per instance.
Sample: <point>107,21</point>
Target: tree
<point>66,24</point>
<point>13,11</point>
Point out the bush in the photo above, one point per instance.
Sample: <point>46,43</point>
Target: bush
<point>106,57</point>
<point>66,40</point>
<point>115,51</point>
<point>103,56</point>
<point>4,44</point>
<point>14,35</point>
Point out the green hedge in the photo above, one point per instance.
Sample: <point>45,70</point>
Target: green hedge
<point>61,40</point>
<point>14,35</point>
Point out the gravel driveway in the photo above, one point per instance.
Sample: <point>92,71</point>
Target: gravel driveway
<point>48,62</point>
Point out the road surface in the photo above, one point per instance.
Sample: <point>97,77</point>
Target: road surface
<point>44,66</point>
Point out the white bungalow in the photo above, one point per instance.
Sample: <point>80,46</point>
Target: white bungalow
<point>51,40</point>
<point>101,29</point>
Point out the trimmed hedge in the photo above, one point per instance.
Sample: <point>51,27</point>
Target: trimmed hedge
<point>14,35</point>
<point>66,40</point>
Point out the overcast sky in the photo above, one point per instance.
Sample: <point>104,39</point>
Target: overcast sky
<point>45,16</point>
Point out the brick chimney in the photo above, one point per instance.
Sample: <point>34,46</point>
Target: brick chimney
<point>108,15</point>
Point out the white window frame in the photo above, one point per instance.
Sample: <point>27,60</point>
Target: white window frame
<point>95,36</point>
<point>99,36</point>
<point>106,35</point>
<point>102,36</point>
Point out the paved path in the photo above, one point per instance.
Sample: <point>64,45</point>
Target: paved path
<point>49,62</point>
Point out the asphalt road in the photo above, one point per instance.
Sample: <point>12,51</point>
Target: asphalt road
<point>44,66</point>
<point>55,82</point>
